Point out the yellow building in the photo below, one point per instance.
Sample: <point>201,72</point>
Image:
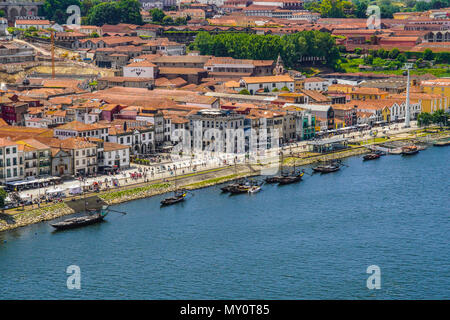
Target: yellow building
<point>439,87</point>
<point>386,113</point>
<point>340,88</point>
<point>368,94</point>
<point>429,102</point>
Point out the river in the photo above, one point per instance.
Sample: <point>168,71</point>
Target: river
<point>310,240</point>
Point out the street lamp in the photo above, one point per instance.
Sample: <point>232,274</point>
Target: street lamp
<point>407,67</point>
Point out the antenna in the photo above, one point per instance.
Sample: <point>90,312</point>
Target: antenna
<point>53,53</point>
<point>407,67</point>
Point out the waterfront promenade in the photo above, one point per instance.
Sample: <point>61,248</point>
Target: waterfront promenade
<point>208,171</point>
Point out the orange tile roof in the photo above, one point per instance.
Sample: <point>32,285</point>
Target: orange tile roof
<point>77,126</point>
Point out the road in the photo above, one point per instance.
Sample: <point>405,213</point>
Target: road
<point>203,161</point>
<point>44,52</point>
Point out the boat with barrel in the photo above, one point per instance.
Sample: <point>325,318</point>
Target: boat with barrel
<point>409,150</point>
<point>254,189</point>
<point>327,168</point>
<point>441,143</point>
<point>93,216</point>
<point>241,188</point>
<point>277,178</point>
<point>371,156</point>
<point>292,178</point>
<point>179,196</point>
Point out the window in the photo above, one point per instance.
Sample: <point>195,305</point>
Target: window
<point>14,150</point>
<point>7,150</point>
<point>8,162</point>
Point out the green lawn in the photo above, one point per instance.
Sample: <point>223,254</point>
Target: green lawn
<point>352,67</point>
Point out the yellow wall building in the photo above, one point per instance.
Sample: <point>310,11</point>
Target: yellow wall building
<point>439,87</point>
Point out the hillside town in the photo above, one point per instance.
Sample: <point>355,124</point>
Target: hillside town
<point>150,81</point>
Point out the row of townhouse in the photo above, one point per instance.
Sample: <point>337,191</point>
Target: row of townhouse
<point>45,156</point>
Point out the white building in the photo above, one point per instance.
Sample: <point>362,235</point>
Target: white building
<point>140,69</point>
<point>316,83</point>
<point>217,131</point>
<point>82,130</point>
<point>116,155</point>
<point>10,161</point>
<point>38,24</point>
<point>267,83</point>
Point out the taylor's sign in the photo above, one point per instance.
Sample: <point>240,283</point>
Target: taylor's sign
<point>29,18</point>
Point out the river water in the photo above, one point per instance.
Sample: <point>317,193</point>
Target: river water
<point>310,240</point>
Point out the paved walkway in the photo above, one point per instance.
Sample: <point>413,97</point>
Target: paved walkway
<point>202,162</point>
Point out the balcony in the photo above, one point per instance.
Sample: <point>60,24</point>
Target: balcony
<point>44,164</point>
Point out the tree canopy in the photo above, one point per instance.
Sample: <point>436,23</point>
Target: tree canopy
<point>292,47</point>
<point>122,11</point>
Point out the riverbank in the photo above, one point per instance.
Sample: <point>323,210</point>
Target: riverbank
<point>20,217</point>
<point>30,215</point>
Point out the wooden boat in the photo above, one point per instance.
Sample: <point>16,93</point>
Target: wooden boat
<point>228,187</point>
<point>291,179</point>
<point>409,150</point>
<point>274,179</point>
<point>241,188</point>
<point>80,221</point>
<point>441,143</point>
<point>327,168</point>
<point>178,197</point>
<point>371,156</point>
<point>254,189</point>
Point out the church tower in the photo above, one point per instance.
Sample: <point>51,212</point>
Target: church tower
<point>279,68</point>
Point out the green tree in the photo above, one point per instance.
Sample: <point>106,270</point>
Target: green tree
<point>157,15</point>
<point>167,21</point>
<point>360,8</point>
<point>105,12</point>
<point>440,117</point>
<point>130,11</point>
<point>428,54</point>
<point>424,119</point>
<point>122,11</point>
<point>402,58</point>
<point>180,21</point>
<point>394,53</point>
<point>244,91</point>
<point>3,195</point>
<point>56,9</point>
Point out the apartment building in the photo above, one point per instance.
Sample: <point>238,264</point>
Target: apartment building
<point>10,161</point>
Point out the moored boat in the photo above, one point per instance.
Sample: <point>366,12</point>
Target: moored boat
<point>178,197</point>
<point>241,188</point>
<point>327,168</point>
<point>409,150</point>
<point>228,187</point>
<point>291,179</point>
<point>254,189</point>
<point>371,156</point>
<point>81,221</point>
<point>441,143</point>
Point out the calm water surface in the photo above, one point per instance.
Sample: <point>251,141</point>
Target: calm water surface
<point>311,240</point>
